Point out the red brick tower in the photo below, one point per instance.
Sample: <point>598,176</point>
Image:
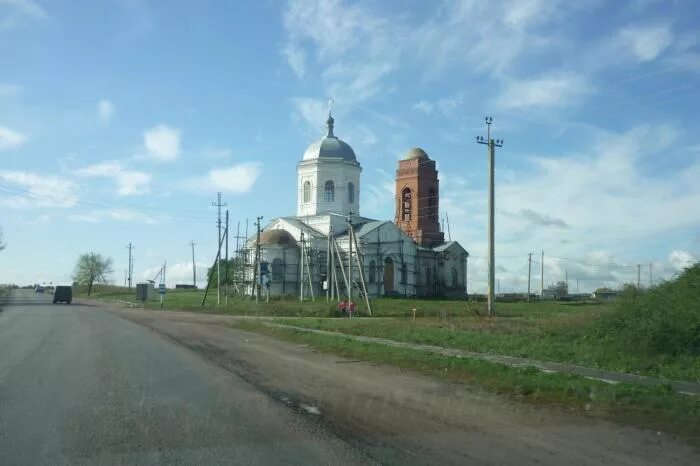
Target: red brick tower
<point>418,198</point>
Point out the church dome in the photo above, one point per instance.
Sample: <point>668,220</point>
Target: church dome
<point>330,147</point>
<point>416,153</point>
<point>277,237</point>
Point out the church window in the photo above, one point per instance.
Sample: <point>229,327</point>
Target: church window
<point>351,192</point>
<point>307,191</point>
<point>329,191</point>
<point>404,273</point>
<point>278,270</point>
<point>372,271</point>
<point>406,204</point>
<point>432,204</point>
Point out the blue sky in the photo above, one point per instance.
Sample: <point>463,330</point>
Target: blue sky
<point>120,120</point>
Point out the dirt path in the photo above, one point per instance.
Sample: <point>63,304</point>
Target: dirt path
<point>400,417</point>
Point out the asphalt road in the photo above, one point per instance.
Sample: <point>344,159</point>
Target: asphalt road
<point>80,385</point>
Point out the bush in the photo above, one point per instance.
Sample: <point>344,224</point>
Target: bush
<point>662,320</point>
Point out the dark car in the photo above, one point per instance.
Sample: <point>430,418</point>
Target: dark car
<point>63,294</point>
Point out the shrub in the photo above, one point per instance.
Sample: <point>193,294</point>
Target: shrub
<point>662,320</point>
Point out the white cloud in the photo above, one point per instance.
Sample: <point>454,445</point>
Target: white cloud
<point>556,90</point>
<point>13,11</point>
<point>129,182</point>
<point>38,190</point>
<point>680,259</point>
<point>446,105</point>
<point>598,206</point>
<point>237,179</point>
<point>105,110</point>
<point>179,273</point>
<point>646,43</point>
<point>296,58</point>
<point>121,215</point>
<point>162,143</point>
<point>10,139</point>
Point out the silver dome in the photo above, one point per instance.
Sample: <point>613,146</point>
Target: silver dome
<point>330,147</point>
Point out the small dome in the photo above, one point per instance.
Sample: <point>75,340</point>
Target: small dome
<point>416,153</point>
<point>330,146</point>
<point>277,237</point>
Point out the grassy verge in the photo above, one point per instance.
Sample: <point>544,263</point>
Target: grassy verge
<point>656,408</point>
<point>567,339</point>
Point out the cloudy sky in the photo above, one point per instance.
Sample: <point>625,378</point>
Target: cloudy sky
<point>121,119</point>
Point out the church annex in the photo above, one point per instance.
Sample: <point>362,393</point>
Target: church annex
<point>406,257</point>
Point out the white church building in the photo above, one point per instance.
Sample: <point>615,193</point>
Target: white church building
<point>404,257</point>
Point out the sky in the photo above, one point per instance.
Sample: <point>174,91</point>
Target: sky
<point>120,121</point>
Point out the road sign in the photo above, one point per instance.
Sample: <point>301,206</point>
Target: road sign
<point>161,288</point>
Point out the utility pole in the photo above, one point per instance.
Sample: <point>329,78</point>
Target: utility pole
<point>529,270</point>
<point>447,219</point>
<point>218,206</point>
<point>566,279</point>
<point>542,276</point>
<point>651,283</point>
<point>328,267</point>
<point>131,264</point>
<point>256,268</point>
<point>492,144</point>
<point>350,241</point>
<point>639,275</point>
<point>226,262</point>
<point>194,267</point>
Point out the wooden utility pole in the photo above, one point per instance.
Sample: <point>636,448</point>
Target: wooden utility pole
<point>218,206</point>
<point>301,268</point>
<point>226,264</point>
<point>256,266</point>
<point>350,257</point>
<point>361,268</point>
<point>651,283</point>
<point>542,276</point>
<point>529,271</point>
<point>328,268</point>
<point>639,275</point>
<point>194,267</point>
<point>491,144</point>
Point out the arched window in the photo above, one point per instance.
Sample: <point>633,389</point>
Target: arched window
<point>432,204</point>
<point>406,204</point>
<point>455,278</point>
<point>278,269</point>
<point>307,191</point>
<point>372,271</point>
<point>329,191</point>
<point>351,192</point>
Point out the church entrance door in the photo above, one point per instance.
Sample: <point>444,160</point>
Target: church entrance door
<point>388,276</point>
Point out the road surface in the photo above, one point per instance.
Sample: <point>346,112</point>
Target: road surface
<point>102,385</point>
<point>80,385</point>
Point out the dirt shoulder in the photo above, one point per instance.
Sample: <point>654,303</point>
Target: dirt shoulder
<point>402,417</point>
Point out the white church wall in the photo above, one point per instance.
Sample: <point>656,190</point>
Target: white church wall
<point>317,172</point>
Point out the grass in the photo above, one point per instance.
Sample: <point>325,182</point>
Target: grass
<point>658,408</point>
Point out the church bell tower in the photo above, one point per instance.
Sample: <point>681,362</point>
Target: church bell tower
<point>418,198</point>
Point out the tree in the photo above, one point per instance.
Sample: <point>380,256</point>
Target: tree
<point>92,268</point>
